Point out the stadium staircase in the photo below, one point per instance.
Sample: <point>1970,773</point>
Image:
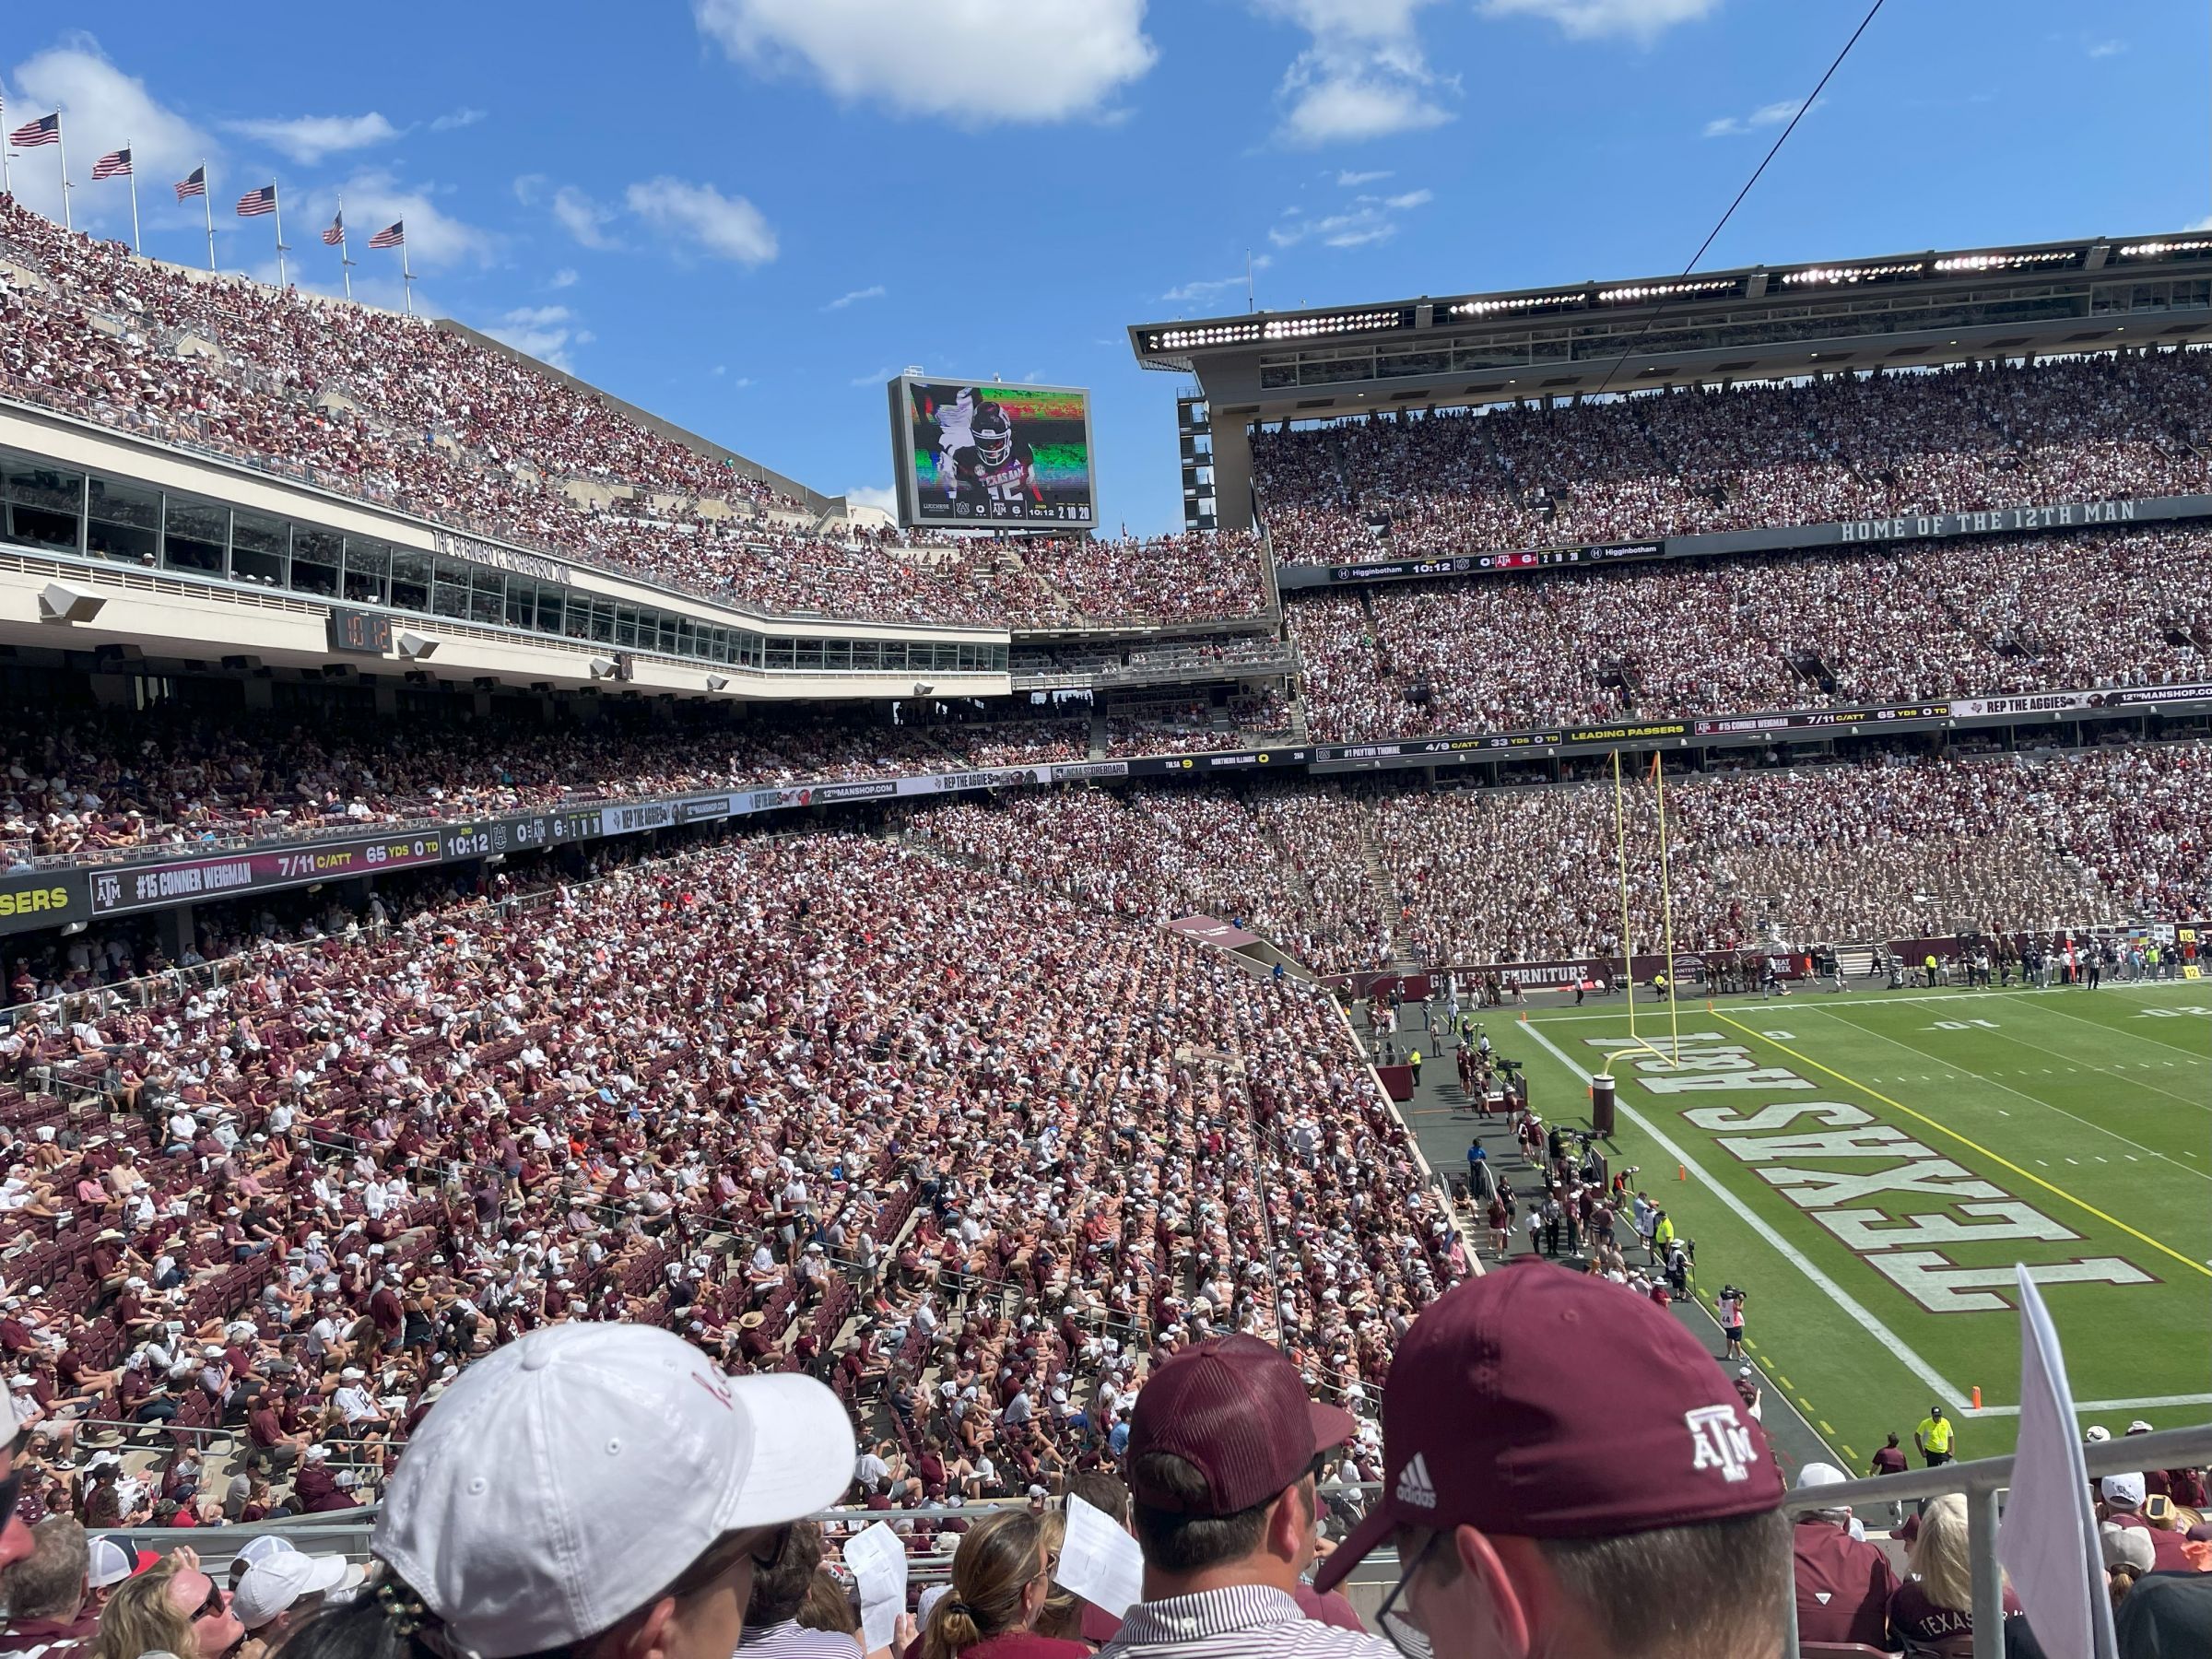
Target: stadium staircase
<point>1101,736</point>
<point>1386,897</point>
<point>1856,960</point>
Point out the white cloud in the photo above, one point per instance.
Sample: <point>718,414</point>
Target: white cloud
<point>870,495</point>
<point>874,291</point>
<point>973,62</point>
<point>1214,287</point>
<point>2105,49</point>
<point>435,239</point>
<point>1588,19</point>
<point>582,218</point>
<point>2203,223</point>
<point>876,379</point>
<point>564,277</point>
<point>1364,76</point>
<point>457,118</point>
<point>1350,181</point>
<point>308,138</point>
<point>1369,219</point>
<point>545,331</point>
<point>1766,116</point>
<point>725,226</point>
<point>102,108</point>
<point>529,188</point>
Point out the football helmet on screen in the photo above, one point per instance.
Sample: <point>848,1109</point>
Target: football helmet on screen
<point>993,434</point>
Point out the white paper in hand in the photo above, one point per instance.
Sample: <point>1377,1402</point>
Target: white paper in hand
<point>1100,1562</point>
<point>878,1562</point>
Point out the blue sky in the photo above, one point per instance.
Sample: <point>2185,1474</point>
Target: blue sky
<point>746,214</point>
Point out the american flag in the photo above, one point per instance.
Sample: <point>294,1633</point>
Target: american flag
<point>115,164</point>
<point>393,235</point>
<point>46,129</point>
<point>194,185</point>
<point>337,233</point>
<point>257,201</point>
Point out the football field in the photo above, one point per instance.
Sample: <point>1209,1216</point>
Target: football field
<point>1870,1166</point>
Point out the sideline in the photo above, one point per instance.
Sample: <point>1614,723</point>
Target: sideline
<point>2080,1204</point>
<point>1789,1253</point>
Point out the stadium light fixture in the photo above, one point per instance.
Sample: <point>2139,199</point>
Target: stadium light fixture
<point>58,603</point>
<point>1831,275</point>
<point>1523,302</point>
<point>2005,262</point>
<point>2160,250</point>
<point>1640,291</point>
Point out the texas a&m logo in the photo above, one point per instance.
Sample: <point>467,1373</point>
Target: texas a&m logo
<point>1722,1442</point>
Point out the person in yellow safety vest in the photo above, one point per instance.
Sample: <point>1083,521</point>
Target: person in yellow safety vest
<point>1659,984</point>
<point>1931,968</point>
<point>1934,1437</point>
<point>1417,1067</point>
<point>1663,1235</point>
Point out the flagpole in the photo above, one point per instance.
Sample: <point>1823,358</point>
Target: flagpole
<point>61,145</point>
<point>345,252</point>
<point>276,206</point>
<point>133,176</point>
<point>406,273</point>
<point>208,206</point>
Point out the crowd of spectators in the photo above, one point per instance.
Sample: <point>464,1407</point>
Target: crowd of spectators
<point>973,1152</point>
<point>1881,851</point>
<point>1891,849</point>
<point>398,410</point>
<point>1688,461</point>
<point>1739,635</point>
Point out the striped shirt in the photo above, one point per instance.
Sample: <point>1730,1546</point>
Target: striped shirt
<point>1244,1621</point>
<point>792,1640</point>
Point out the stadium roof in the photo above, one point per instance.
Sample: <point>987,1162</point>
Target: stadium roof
<point>1760,321</point>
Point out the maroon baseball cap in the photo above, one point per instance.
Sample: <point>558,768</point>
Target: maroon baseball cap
<point>1236,1410</point>
<point>1544,1404</point>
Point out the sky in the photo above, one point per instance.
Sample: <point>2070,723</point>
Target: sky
<point>746,215</point>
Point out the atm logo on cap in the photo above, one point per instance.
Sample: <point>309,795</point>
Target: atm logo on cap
<point>1722,1442</point>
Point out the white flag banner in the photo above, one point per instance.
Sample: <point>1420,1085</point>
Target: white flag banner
<point>2048,1541</point>
<point>1100,1562</point>
<point>877,1559</point>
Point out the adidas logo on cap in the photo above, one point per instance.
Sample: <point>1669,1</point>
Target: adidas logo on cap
<point>1416,1490</point>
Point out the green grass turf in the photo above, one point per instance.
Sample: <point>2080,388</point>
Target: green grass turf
<point>2093,1109</point>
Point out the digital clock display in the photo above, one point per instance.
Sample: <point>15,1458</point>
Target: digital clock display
<point>363,633</point>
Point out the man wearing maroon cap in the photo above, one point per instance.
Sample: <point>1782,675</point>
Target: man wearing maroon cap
<point>1224,1447</point>
<point>1566,1471</point>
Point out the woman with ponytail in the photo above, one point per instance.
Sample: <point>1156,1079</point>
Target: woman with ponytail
<point>1002,1579</point>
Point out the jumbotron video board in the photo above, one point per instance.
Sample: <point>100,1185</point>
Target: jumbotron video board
<point>990,456</point>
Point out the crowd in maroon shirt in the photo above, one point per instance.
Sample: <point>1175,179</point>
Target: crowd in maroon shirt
<point>1743,634</point>
<point>397,410</point>
<point>953,1124</point>
<point>1683,462</point>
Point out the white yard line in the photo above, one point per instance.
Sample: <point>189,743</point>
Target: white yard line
<point>2022,1094</point>
<point>1852,1309</point>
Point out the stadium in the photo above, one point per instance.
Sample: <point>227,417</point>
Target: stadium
<point>1695,784</point>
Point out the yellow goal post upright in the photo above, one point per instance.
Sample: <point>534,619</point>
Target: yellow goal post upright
<point>1604,1084</point>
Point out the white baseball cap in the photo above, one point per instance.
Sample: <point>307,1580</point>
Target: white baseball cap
<point>107,1562</point>
<point>271,1586</point>
<point>264,1548</point>
<point>1820,1475</point>
<point>2123,1489</point>
<point>567,1480</point>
